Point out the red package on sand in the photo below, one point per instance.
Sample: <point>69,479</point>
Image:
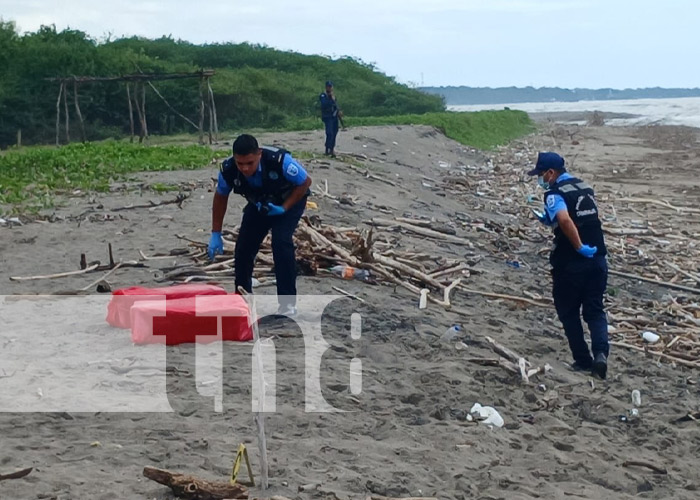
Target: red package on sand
<point>192,319</point>
<point>119,308</point>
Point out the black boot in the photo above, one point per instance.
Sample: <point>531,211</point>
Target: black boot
<point>600,365</point>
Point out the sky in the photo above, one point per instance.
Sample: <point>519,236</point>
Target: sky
<point>487,43</point>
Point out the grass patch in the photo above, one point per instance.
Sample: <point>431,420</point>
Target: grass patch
<point>160,187</point>
<point>480,129</point>
<point>31,177</point>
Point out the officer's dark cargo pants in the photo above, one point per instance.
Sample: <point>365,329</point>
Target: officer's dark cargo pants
<point>254,228</point>
<point>580,284</point>
<point>331,124</point>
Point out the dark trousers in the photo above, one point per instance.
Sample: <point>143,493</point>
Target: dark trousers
<point>331,124</point>
<point>580,284</point>
<point>254,228</point>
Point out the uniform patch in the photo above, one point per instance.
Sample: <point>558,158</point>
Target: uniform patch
<point>274,176</point>
<point>292,170</point>
<point>551,202</point>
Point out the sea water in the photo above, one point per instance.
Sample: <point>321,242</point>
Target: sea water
<point>677,111</point>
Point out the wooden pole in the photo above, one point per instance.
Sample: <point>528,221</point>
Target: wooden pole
<point>131,110</point>
<point>211,118</point>
<point>201,113</point>
<point>138,111</point>
<point>143,110</point>
<point>19,137</point>
<point>58,112</point>
<point>171,108</point>
<point>65,110</point>
<point>259,412</point>
<point>213,108</point>
<point>77,110</point>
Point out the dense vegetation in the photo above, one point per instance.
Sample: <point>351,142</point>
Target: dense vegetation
<point>255,86</point>
<point>31,177</point>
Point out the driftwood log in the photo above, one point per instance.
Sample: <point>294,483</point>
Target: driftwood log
<point>378,221</point>
<point>648,465</point>
<point>377,497</point>
<point>192,488</point>
<point>16,475</point>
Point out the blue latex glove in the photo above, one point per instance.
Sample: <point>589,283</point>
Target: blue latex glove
<point>587,251</point>
<point>216,245</point>
<point>275,209</point>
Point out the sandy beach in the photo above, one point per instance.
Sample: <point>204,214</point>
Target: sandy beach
<point>406,434</point>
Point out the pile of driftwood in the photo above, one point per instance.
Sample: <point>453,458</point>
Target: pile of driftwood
<point>432,278</point>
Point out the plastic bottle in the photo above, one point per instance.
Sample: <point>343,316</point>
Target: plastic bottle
<point>348,272</point>
<point>636,398</point>
<point>451,333</point>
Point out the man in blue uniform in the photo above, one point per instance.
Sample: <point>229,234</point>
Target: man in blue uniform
<point>579,267</point>
<point>276,187</point>
<point>330,114</point>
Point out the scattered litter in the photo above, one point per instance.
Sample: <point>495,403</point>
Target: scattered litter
<point>636,398</point>
<point>423,302</point>
<point>486,415</point>
<point>452,332</point>
<point>650,337</point>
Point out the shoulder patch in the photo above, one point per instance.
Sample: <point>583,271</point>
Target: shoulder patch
<point>551,201</point>
<point>292,170</point>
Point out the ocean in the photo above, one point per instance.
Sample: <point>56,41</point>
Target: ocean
<point>680,111</point>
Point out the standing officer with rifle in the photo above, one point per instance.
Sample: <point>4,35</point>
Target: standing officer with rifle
<point>331,115</point>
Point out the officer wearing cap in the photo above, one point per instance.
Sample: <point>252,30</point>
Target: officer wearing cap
<point>276,187</point>
<point>330,114</point>
<point>579,267</point>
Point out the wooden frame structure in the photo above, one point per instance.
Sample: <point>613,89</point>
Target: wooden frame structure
<point>137,99</point>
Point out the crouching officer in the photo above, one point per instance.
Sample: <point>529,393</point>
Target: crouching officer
<point>276,187</point>
<point>579,267</point>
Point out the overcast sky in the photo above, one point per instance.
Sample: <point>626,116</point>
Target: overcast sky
<point>565,43</point>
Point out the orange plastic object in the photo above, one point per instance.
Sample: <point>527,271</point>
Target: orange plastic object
<point>192,319</point>
<point>119,308</point>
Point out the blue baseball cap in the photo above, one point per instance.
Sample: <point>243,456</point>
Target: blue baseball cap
<point>546,161</point>
<point>329,83</point>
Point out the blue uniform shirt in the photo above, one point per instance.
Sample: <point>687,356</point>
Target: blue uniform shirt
<point>329,108</point>
<point>292,170</point>
<point>555,203</point>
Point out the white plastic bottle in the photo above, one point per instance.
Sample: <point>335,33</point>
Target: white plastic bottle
<point>452,332</point>
<point>636,398</point>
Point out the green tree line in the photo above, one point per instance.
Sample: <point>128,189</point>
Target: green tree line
<point>254,86</point>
